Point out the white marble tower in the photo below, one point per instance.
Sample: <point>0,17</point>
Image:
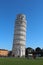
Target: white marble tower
<point>19,40</point>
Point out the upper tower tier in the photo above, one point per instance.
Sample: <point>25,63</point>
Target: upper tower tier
<point>21,17</point>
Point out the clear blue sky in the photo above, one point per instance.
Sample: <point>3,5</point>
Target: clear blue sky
<point>33,9</point>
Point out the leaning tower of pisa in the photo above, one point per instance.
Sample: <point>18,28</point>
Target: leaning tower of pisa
<point>19,40</point>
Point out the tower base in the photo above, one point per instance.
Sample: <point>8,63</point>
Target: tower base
<point>18,51</point>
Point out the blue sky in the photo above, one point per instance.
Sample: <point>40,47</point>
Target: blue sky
<point>33,9</point>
